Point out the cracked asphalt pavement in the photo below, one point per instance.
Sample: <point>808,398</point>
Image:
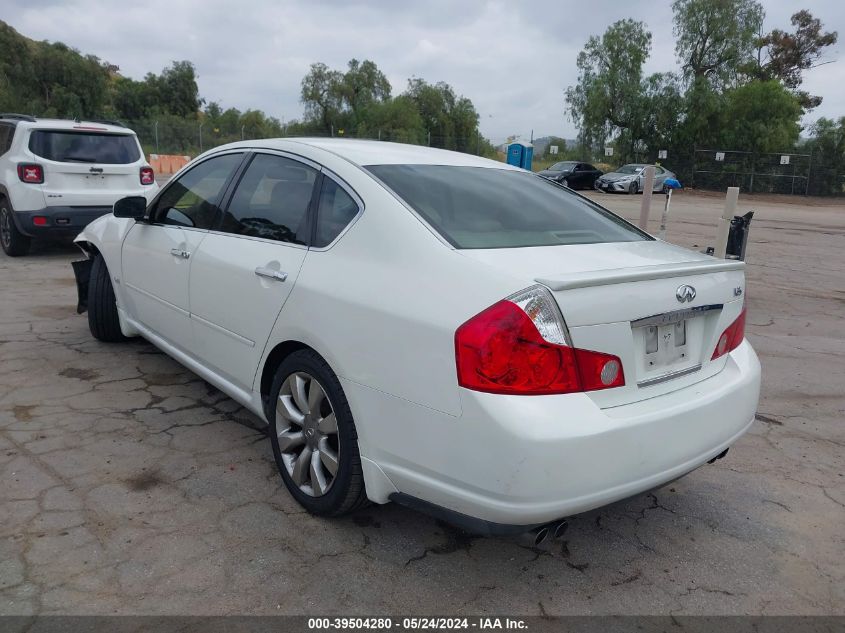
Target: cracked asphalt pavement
<point>130,486</point>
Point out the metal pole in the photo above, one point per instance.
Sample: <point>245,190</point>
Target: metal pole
<point>379,134</point>
<point>809,171</point>
<point>665,216</point>
<point>242,131</point>
<point>155,127</point>
<point>429,138</point>
<point>645,207</point>
<point>201,124</point>
<point>724,226</point>
<point>332,130</point>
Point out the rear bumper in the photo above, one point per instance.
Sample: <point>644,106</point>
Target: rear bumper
<point>58,221</point>
<point>530,460</point>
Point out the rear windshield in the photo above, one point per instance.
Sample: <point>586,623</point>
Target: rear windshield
<point>84,147</point>
<point>476,207</point>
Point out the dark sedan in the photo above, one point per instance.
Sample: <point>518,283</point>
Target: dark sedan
<point>572,174</point>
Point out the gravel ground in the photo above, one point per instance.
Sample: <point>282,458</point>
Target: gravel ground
<point>131,486</point>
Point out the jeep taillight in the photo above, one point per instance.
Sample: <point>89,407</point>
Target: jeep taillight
<point>731,337</point>
<point>519,346</point>
<point>33,174</point>
<point>148,176</point>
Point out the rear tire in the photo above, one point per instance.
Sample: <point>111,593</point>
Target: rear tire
<point>103,320</point>
<point>315,425</point>
<point>14,242</point>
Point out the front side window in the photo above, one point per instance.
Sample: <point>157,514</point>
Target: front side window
<point>337,209</point>
<point>629,169</point>
<point>84,147</point>
<point>272,200</point>
<point>477,207</point>
<point>193,199</point>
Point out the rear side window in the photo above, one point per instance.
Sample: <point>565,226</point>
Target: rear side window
<point>6,133</point>
<point>84,147</point>
<point>272,200</point>
<point>192,200</point>
<point>337,209</point>
<point>477,207</point>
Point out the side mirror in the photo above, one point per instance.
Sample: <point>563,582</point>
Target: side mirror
<point>134,207</point>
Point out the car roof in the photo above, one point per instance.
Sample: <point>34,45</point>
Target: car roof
<point>363,153</point>
<point>65,124</point>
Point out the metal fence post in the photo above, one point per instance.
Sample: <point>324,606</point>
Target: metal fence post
<point>809,171</point>
<point>751,184</point>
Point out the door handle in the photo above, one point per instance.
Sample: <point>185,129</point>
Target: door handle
<point>269,273</point>
<point>178,252</point>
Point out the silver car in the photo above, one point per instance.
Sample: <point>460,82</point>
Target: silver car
<point>630,178</point>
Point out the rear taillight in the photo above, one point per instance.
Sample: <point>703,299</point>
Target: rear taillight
<point>519,346</point>
<point>148,176</point>
<point>731,337</point>
<point>33,174</point>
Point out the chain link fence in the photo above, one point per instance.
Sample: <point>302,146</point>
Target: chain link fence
<point>193,138</point>
<point>788,173</point>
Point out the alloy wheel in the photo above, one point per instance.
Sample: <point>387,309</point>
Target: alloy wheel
<point>307,432</point>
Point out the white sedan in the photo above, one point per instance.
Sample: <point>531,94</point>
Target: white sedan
<point>430,327</point>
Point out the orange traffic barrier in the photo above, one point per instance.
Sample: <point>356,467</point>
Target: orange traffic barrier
<point>167,163</point>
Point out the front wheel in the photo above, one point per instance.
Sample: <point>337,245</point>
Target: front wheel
<point>103,320</point>
<point>14,242</point>
<point>633,188</point>
<point>314,438</point>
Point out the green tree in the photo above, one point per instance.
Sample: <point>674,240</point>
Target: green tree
<point>177,89</point>
<point>715,38</point>
<point>761,117</point>
<point>785,56</point>
<point>322,95</point>
<point>361,86</point>
<point>449,119</point>
<point>608,99</point>
<point>827,145</point>
<point>394,120</point>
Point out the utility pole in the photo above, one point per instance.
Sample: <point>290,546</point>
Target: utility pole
<point>201,124</point>
<point>155,127</point>
<point>242,132</point>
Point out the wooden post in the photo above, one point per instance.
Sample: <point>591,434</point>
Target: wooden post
<point>724,225</point>
<point>645,207</point>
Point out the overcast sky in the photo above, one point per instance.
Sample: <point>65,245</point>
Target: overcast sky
<point>514,59</point>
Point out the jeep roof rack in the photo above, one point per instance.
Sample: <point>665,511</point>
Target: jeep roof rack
<point>20,117</point>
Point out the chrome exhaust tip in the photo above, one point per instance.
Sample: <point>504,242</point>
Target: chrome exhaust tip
<point>541,535</point>
<point>560,529</point>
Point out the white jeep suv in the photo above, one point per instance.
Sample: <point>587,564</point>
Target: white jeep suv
<point>56,176</point>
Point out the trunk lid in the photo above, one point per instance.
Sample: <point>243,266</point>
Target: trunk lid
<point>622,298</point>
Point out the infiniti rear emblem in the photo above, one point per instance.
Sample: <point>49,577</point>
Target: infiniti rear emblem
<point>685,293</point>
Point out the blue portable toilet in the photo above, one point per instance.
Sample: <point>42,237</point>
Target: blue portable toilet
<point>520,154</point>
